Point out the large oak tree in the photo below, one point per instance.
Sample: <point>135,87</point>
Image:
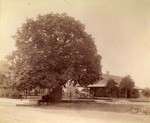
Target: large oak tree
<point>52,50</point>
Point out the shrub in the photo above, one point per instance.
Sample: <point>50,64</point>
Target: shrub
<point>144,110</point>
<point>14,95</point>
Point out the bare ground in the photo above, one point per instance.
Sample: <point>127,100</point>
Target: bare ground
<point>10,113</point>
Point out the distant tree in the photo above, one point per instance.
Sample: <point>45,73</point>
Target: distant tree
<point>146,92</point>
<point>6,85</point>
<point>52,50</point>
<point>126,85</point>
<point>111,85</point>
<point>2,80</point>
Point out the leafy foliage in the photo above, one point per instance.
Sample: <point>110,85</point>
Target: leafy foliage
<point>51,50</point>
<point>111,85</point>
<point>2,79</point>
<point>146,92</point>
<point>126,84</point>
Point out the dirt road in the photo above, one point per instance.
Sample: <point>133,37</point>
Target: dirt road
<point>10,113</point>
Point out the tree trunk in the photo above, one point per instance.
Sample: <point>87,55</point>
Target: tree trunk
<point>126,94</point>
<point>26,93</point>
<point>56,94</point>
<point>94,93</point>
<point>70,92</point>
<point>119,93</point>
<point>70,96</point>
<point>110,96</point>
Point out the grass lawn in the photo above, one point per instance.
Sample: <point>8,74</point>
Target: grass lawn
<point>120,108</point>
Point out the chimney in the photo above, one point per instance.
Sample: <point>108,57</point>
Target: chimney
<point>107,72</point>
<point>107,75</point>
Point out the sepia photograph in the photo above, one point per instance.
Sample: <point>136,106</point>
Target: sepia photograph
<point>74,61</point>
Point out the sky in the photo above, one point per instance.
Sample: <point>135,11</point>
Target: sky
<point>120,28</point>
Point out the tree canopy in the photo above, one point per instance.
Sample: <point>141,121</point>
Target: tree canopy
<point>2,79</point>
<point>146,92</point>
<point>111,86</point>
<point>5,73</point>
<point>53,49</point>
<point>127,83</point>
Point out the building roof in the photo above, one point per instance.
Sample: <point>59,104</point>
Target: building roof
<point>105,78</point>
